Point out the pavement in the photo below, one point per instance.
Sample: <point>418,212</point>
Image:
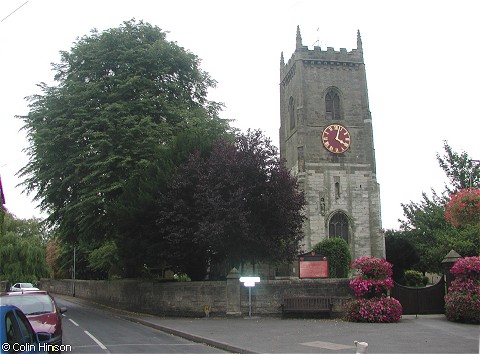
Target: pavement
<point>412,334</point>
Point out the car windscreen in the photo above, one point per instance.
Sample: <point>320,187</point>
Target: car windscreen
<point>32,304</point>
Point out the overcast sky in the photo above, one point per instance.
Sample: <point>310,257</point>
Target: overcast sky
<point>421,61</point>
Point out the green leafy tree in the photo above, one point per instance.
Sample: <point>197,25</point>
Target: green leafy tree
<point>237,204</point>
<point>466,241</point>
<point>22,250</point>
<point>400,252</point>
<point>77,256</point>
<point>104,258</point>
<point>2,208</point>
<point>460,169</point>
<point>52,256</point>
<point>2,220</point>
<point>136,209</point>
<point>105,132</point>
<point>339,257</point>
<point>425,225</point>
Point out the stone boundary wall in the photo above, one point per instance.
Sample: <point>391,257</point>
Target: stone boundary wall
<point>224,298</point>
<point>4,285</point>
<point>156,298</point>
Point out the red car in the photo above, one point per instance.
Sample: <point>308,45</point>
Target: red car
<point>41,310</point>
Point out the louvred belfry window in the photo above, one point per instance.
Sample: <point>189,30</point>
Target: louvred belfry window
<point>332,106</point>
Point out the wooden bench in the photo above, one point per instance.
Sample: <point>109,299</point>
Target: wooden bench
<point>307,305</point>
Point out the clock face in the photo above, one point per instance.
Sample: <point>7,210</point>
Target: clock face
<point>336,138</point>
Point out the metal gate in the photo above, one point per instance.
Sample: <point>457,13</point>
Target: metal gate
<point>421,301</point>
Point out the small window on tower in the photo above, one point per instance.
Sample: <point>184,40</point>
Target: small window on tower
<point>332,106</point>
<point>291,112</point>
<point>336,180</point>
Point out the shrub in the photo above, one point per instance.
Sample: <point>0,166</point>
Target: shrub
<point>374,278</point>
<point>338,253</point>
<point>466,267</point>
<point>372,282</point>
<point>372,268</point>
<point>463,208</point>
<point>370,287</point>
<point>462,303</point>
<point>181,277</point>
<point>413,278</point>
<point>376,310</point>
<point>461,307</point>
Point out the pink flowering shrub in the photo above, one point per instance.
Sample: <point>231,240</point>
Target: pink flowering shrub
<point>374,278</point>
<point>463,208</point>
<point>372,268</point>
<point>376,310</point>
<point>370,286</point>
<point>466,267</point>
<point>462,303</point>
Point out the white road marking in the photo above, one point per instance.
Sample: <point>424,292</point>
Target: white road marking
<point>154,345</point>
<point>96,341</point>
<point>327,345</point>
<point>75,323</point>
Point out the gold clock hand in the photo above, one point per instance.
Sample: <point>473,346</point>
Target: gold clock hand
<point>341,142</point>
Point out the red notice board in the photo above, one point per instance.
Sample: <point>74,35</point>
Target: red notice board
<point>312,265</point>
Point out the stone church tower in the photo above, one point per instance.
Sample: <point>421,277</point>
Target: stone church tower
<point>326,138</point>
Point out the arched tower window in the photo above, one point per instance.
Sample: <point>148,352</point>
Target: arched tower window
<point>338,226</point>
<point>332,105</point>
<point>291,112</point>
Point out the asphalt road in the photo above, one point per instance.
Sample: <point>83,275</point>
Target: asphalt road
<point>91,330</point>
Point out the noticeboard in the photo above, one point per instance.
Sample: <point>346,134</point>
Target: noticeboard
<point>312,265</point>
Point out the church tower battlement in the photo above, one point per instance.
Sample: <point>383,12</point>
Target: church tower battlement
<point>317,56</point>
<point>326,138</point>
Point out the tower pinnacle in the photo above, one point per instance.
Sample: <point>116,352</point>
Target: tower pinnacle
<point>299,38</point>
<point>359,40</point>
<point>282,61</point>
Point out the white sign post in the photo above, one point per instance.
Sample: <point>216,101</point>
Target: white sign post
<point>249,282</point>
